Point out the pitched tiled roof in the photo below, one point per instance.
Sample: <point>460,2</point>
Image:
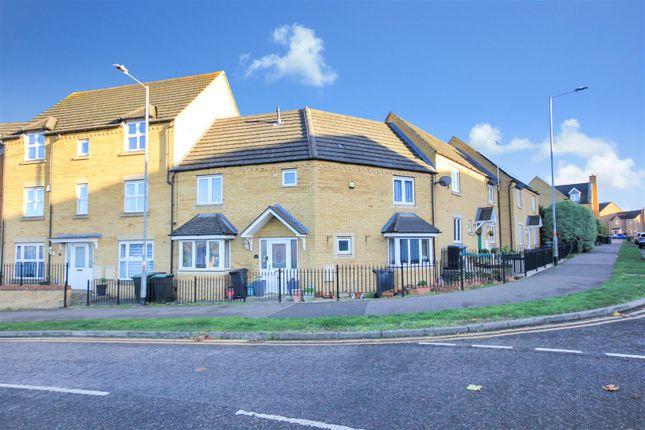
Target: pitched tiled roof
<point>8,128</point>
<point>603,205</point>
<point>208,224</point>
<point>408,223</point>
<point>582,187</point>
<point>290,219</point>
<point>629,214</point>
<point>104,107</point>
<point>303,134</point>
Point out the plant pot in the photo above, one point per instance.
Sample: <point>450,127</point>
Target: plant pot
<point>230,292</point>
<point>422,290</point>
<point>297,295</point>
<point>101,289</point>
<point>358,295</point>
<point>309,297</point>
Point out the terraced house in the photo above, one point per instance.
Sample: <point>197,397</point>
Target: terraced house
<point>73,176</point>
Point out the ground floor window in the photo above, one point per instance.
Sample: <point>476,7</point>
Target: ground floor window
<point>344,245</point>
<point>409,250</point>
<point>130,255</point>
<point>30,260</point>
<point>204,254</point>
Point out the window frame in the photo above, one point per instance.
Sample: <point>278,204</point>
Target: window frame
<point>457,233</point>
<point>350,245</point>
<point>224,250</point>
<point>136,196</point>
<point>138,134</point>
<point>455,184</point>
<point>79,186</point>
<point>149,260</point>
<point>394,250</point>
<point>28,144</point>
<point>79,146</point>
<point>286,172</point>
<point>403,180</point>
<point>533,204</point>
<point>34,203</point>
<point>209,179</point>
<point>491,194</point>
<point>518,197</point>
<point>520,234</point>
<point>39,259</point>
<point>577,194</point>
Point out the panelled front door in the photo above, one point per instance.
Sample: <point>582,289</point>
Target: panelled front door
<point>276,254</point>
<point>80,257</point>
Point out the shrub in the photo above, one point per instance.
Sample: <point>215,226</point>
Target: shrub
<point>574,222</point>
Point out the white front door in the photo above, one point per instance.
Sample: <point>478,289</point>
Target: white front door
<point>80,257</point>
<point>278,255</point>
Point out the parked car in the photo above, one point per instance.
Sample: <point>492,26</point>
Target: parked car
<point>639,240</point>
<point>619,236</point>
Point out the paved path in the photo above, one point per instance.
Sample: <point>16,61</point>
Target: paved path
<point>580,273</point>
<point>64,385</point>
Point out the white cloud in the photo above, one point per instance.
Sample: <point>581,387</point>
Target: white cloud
<point>487,138</point>
<point>597,155</point>
<point>303,60</point>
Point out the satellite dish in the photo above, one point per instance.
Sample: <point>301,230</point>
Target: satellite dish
<point>445,181</point>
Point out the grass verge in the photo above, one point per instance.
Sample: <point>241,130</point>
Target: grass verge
<point>627,283</point>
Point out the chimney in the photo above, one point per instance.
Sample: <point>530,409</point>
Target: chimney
<point>593,182</point>
<point>278,118</point>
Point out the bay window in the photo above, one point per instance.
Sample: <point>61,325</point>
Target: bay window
<point>206,254</point>
<point>409,250</point>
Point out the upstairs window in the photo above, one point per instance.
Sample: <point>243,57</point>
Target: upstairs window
<point>209,190</point>
<point>533,203</point>
<point>34,146</point>
<point>134,196</point>
<point>289,178</point>
<point>455,185</point>
<point>135,136</point>
<point>518,197</point>
<point>82,199</point>
<point>520,234</point>
<point>575,196</point>
<point>82,147</point>
<point>34,198</point>
<point>403,191</point>
<point>491,194</point>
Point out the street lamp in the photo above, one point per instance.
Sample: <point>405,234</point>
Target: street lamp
<point>555,230</point>
<point>144,270</point>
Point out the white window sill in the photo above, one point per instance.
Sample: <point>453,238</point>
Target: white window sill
<point>132,214</point>
<point>456,193</point>
<point>33,218</point>
<point>32,162</point>
<point>403,204</point>
<point>188,270</point>
<point>81,157</point>
<point>136,152</point>
<point>289,186</point>
<point>81,216</point>
<point>209,204</point>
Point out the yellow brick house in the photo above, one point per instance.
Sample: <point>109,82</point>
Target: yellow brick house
<point>73,176</point>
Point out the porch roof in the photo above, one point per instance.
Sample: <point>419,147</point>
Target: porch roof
<point>282,215</point>
<point>534,221</point>
<point>408,223</point>
<point>485,214</point>
<point>61,238</point>
<point>208,224</point>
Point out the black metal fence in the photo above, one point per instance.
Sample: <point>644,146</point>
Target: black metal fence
<point>33,273</point>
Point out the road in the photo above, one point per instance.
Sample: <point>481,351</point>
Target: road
<point>337,387</point>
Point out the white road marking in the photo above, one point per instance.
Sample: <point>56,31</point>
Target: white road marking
<point>55,389</point>
<point>615,354</point>
<point>438,343</point>
<point>492,346</point>
<point>566,351</point>
<point>302,422</point>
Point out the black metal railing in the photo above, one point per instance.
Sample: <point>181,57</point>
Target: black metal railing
<point>33,273</point>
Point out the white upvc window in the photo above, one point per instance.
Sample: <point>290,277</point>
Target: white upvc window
<point>533,204</point>
<point>404,251</point>
<point>344,245</point>
<point>135,135</point>
<point>30,261</point>
<point>403,190</point>
<point>518,197</point>
<point>456,227</point>
<point>34,146</point>
<point>289,177</point>
<point>575,196</point>
<point>134,196</point>
<point>209,190</point>
<point>82,147</point>
<point>207,254</point>
<point>455,184</point>
<point>520,234</point>
<point>82,199</point>
<point>130,258</point>
<point>491,194</point>
<point>34,202</point>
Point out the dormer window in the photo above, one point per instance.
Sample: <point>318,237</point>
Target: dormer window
<point>34,146</point>
<point>574,195</point>
<point>135,136</point>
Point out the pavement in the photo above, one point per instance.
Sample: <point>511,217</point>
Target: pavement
<point>582,272</point>
<point>69,385</point>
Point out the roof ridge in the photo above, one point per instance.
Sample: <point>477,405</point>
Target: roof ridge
<point>217,72</point>
<point>346,116</point>
<point>311,136</point>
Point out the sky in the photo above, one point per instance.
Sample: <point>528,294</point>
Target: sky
<point>481,71</point>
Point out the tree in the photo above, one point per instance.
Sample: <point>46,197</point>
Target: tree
<point>575,222</point>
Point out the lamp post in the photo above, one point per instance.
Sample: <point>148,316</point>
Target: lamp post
<point>144,269</point>
<point>555,230</point>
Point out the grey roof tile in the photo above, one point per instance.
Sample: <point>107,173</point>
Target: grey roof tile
<point>207,224</point>
<point>408,223</point>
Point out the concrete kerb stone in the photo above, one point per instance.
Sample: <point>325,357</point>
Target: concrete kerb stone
<point>375,334</point>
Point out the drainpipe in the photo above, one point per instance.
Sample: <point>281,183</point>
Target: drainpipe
<point>499,211</point>
<point>510,212</point>
<point>170,178</point>
<point>434,239</point>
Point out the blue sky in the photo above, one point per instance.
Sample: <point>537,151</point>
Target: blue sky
<point>481,71</point>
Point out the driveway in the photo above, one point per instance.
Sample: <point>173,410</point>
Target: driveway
<point>582,272</point>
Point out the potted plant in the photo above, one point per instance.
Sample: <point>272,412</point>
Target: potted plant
<point>297,295</point>
<point>422,287</point>
<point>101,287</point>
<point>358,295</point>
